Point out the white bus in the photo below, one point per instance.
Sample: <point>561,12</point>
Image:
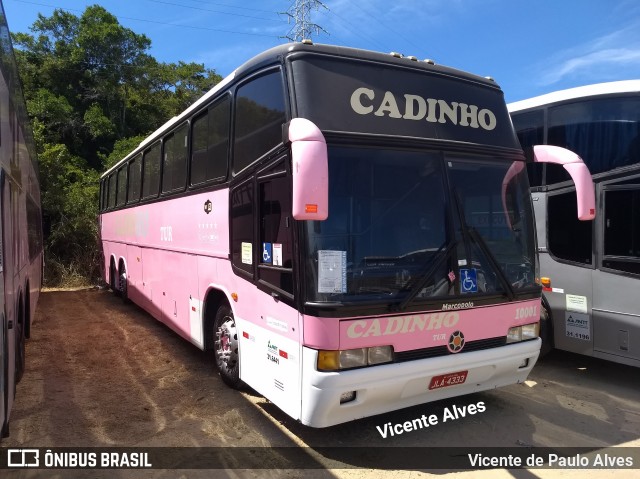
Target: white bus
<point>591,269</point>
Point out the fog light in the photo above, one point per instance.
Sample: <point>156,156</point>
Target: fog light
<point>524,363</point>
<point>347,397</point>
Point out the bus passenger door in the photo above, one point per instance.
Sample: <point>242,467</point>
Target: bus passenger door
<point>616,309</point>
<point>567,259</point>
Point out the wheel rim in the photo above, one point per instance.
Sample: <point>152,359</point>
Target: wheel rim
<point>226,346</point>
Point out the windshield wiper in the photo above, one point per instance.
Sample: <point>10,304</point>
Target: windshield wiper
<point>439,256</point>
<point>475,236</point>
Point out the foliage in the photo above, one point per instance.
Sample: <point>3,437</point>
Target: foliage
<point>93,93</point>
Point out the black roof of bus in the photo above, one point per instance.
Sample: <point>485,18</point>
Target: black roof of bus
<point>278,53</point>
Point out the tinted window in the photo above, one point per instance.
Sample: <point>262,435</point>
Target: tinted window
<point>276,258</point>
<point>242,253</point>
<point>260,113</point>
<point>568,238</point>
<point>103,194</point>
<point>151,179</point>
<point>210,144</point>
<point>112,190</point>
<point>122,185</point>
<point>622,230</point>
<point>530,129</point>
<point>174,166</point>
<point>135,179</point>
<point>604,132</point>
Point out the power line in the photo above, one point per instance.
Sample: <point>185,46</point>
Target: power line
<point>300,13</point>
<point>216,11</point>
<point>157,22</point>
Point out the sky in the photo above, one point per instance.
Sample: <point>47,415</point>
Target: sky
<point>530,47</point>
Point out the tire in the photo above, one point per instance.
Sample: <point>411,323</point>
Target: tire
<point>225,347</point>
<point>123,286</point>
<point>112,279</point>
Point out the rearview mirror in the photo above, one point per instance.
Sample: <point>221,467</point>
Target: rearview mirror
<point>579,174</point>
<point>310,170</point>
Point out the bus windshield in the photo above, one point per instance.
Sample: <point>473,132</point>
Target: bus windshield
<point>419,224</point>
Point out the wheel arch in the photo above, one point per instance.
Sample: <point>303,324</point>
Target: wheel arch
<point>214,298</point>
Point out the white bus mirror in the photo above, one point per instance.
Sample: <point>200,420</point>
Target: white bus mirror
<point>579,174</point>
<point>310,171</point>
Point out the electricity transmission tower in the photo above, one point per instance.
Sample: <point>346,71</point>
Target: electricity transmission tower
<point>300,14</point>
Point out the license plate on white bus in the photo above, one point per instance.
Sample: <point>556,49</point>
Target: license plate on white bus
<point>445,380</point>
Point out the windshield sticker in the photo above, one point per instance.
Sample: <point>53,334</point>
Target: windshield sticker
<point>332,271</point>
<point>577,326</point>
<point>277,254</point>
<point>468,280</point>
<point>247,253</point>
<point>267,253</point>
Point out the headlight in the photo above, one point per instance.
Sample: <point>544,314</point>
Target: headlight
<point>523,333</point>
<point>353,358</point>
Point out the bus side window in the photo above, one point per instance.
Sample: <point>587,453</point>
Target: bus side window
<point>260,113</point>
<point>622,230</point>
<point>568,238</point>
<point>121,197</point>
<point>151,172</point>
<point>112,191</point>
<point>210,144</point>
<point>276,241</point>
<point>135,178</point>
<point>174,166</point>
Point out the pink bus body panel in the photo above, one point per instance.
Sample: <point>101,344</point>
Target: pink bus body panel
<point>418,330</point>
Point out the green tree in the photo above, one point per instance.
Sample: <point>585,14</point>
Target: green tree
<point>93,93</point>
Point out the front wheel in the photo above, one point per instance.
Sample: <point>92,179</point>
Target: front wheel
<point>225,347</point>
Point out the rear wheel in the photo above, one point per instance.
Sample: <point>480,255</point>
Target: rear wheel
<point>112,279</point>
<point>225,346</point>
<point>123,285</point>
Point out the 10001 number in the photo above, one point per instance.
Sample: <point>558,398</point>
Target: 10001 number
<point>528,312</point>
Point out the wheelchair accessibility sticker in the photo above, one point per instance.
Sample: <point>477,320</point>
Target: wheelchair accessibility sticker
<point>267,253</point>
<point>468,280</point>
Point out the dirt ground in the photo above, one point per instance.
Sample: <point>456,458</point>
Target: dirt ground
<point>104,373</point>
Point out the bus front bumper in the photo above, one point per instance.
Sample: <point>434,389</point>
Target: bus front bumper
<point>384,388</point>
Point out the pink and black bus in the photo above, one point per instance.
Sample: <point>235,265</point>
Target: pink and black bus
<point>21,254</point>
<point>348,232</point>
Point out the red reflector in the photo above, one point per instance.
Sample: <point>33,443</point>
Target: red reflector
<point>245,334</point>
<point>283,354</point>
<point>310,208</point>
<point>193,308</point>
<point>592,211</point>
<point>546,289</point>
